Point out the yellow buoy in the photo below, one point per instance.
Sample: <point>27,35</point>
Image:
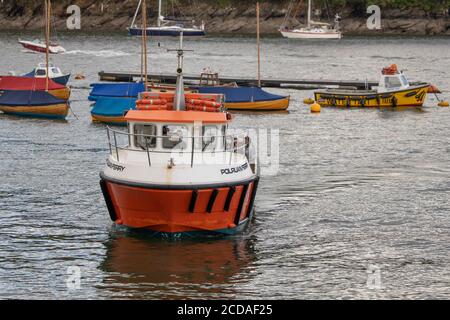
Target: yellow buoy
<point>315,108</point>
<point>308,101</point>
<point>443,104</point>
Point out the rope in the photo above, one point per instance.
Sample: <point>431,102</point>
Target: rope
<point>71,110</point>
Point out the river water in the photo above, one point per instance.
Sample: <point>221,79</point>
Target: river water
<point>359,207</point>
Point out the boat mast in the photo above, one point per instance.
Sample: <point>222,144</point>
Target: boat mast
<point>258,44</point>
<point>135,14</point>
<point>180,101</point>
<point>144,42</point>
<point>309,13</point>
<point>159,14</point>
<point>47,40</point>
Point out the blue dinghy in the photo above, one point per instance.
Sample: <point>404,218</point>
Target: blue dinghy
<point>116,90</point>
<point>112,109</point>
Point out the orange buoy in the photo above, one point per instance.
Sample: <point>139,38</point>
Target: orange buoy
<point>315,108</point>
<point>80,77</point>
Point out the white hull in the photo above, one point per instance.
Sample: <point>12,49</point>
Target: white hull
<point>311,35</point>
<point>41,47</point>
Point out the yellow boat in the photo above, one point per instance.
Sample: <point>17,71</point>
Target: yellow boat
<point>33,103</point>
<point>273,105</point>
<point>56,111</point>
<point>118,120</point>
<point>247,98</point>
<point>393,90</point>
<point>63,94</point>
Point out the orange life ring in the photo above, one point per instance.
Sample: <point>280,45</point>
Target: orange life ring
<point>152,107</point>
<point>152,101</point>
<point>205,103</point>
<point>191,107</point>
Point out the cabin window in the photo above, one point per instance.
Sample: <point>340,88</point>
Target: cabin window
<point>55,70</point>
<point>392,82</point>
<point>145,136</point>
<point>209,137</point>
<point>224,137</point>
<point>175,136</point>
<point>404,80</point>
<point>40,72</point>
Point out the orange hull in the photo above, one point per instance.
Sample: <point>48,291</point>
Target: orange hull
<point>221,209</point>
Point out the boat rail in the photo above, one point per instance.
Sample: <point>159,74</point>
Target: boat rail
<point>239,145</point>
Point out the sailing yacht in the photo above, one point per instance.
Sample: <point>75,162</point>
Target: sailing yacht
<point>314,29</point>
<point>167,27</point>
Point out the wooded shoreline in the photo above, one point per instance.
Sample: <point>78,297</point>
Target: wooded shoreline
<point>223,17</point>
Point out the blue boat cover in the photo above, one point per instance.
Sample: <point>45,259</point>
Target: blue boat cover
<point>113,107</point>
<point>27,98</point>
<point>128,89</point>
<point>241,94</point>
<point>30,74</point>
<point>61,80</point>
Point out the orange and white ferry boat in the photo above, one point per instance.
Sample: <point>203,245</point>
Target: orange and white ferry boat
<point>179,171</point>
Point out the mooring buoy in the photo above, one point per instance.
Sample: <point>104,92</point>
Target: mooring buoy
<point>315,108</point>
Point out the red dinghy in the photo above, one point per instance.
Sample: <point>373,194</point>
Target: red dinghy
<point>27,83</point>
<point>34,84</point>
<point>38,46</point>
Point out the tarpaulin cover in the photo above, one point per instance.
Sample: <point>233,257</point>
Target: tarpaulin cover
<point>27,83</point>
<point>129,89</point>
<point>27,98</point>
<point>61,80</point>
<point>113,107</point>
<point>241,94</point>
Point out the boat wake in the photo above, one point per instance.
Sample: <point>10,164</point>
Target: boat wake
<point>29,51</point>
<point>100,53</point>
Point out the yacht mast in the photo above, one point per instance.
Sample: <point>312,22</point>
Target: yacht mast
<point>144,42</point>
<point>47,40</point>
<point>309,13</point>
<point>180,102</point>
<point>135,14</point>
<point>159,13</point>
<point>258,44</point>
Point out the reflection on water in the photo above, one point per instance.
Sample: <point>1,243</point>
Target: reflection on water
<point>141,267</point>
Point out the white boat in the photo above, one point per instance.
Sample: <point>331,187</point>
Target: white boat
<point>314,29</point>
<point>39,46</point>
<point>167,27</point>
<point>178,170</point>
<point>54,73</point>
